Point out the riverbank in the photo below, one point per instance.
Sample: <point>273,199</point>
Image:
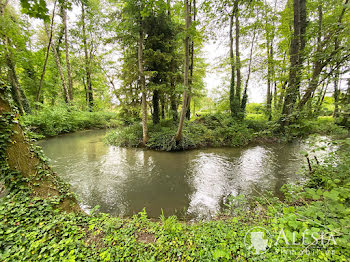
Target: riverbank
<point>53,121</point>
<point>31,229</point>
<point>219,130</point>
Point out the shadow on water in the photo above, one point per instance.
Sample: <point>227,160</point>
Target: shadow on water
<point>192,183</point>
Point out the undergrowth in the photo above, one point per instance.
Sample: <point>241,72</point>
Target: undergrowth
<point>51,121</point>
<point>219,130</point>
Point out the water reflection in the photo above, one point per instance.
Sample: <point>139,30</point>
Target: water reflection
<point>124,181</point>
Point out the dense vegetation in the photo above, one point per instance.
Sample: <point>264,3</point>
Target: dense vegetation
<point>313,217</point>
<point>140,66</point>
<point>218,130</point>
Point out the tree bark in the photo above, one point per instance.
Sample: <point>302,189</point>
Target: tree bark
<point>238,63</point>
<point>232,63</point>
<point>90,95</point>
<point>143,86</point>
<point>319,63</point>
<point>38,94</point>
<point>16,90</point>
<point>155,103</point>
<point>59,67</point>
<point>245,92</point>
<point>69,74</point>
<point>178,135</point>
<point>188,113</point>
<point>296,60</point>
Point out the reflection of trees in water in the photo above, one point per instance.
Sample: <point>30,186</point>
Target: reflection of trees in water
<point>123,181</point>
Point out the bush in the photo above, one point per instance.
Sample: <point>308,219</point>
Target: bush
<point>130,136</point>
<point>211,130</point>
<point>323,125</point>
<point>51,121</point>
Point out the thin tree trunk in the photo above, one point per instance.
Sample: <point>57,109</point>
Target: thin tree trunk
<point>336,95</point>
<point>59,67</point>
<point>178,136</point>
<point>245,92</point>
<point>238,62</point>
<point>143,86</point>
<point>69,74</point>
<point>232,63</point>
<point>38,94</point>
<point>188,113</point>
<point>269,80</point>
<point>17,92</point>
<point>87,62</point>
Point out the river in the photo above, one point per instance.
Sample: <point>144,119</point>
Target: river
<point>123,181</point>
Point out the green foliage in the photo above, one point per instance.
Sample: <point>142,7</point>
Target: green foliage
<point>129,136</point>
<point>51,121</point>
<point>220,130</point>
<point>210,130</point>
<point>32,230</point>
<point>322,125</point>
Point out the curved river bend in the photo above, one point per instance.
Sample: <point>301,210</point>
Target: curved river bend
<point>192,183</point>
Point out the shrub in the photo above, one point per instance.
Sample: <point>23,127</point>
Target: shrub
<point>130,136</point>
<point>51,121</point>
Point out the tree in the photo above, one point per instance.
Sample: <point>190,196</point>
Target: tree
<point>296,60</point>
<point>178,135</point>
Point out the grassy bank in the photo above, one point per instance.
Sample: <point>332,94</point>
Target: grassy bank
<point>219,130</point>
<point>31,229</point>
<point>52,121</point>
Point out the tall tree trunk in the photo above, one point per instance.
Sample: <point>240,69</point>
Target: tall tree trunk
<point>178,136</point>
<point>173,104</point>
<point>162,105</point>
<point>245,91</point>
<point>336,95</point>
<point>87,62</point>
<point>319,63</point>
<point>188,113</point>
<point>232,63</point>
<point>143,86</point>
<point>238,63</point>
<point>59,67</point>
<point>17,93</point>
<point>296,60</point>
<point>269,80</point>
<point>155,103</point>
<point>38,94</point>
<point>16,90</point>
<point>69,74</point>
